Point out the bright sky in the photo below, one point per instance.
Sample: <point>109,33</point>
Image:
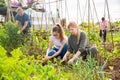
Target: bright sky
<point>114,8</point>
<point>76,14</point>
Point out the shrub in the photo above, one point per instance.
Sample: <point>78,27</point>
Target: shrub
<point>9,36</point>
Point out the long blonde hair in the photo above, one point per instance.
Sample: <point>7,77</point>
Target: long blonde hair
<point>74,25</point>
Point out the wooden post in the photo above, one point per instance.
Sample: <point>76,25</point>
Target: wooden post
<point>88,16</point>
<point>9,15</point>
<point>110,23</point>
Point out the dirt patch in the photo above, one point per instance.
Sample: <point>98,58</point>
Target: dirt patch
<point>118,46</point>
<point>112,69</point>
<point>109,47</point>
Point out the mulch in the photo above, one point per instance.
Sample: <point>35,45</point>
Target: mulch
<point>112,69</point>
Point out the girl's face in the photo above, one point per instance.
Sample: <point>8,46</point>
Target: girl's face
<point>73,30</point>
<point>56,35</point>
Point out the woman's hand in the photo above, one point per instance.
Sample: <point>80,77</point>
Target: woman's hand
<point>64,58</point>
<point>48,57</point>
<point>70,61</point>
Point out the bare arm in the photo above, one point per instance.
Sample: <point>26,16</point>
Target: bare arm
<point>67,53</point>
<point>17,22</point>
<point>25,25</point>
<point>49,47</point>
<point>65,56</point>
<point>75,56</point>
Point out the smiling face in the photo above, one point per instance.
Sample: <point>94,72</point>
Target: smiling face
<point>56,35</point>
<point>73,28</point>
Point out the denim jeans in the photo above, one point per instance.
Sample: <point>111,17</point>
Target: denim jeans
<point>92,51</point>
<point>103,34</point>
<point>54,50</point>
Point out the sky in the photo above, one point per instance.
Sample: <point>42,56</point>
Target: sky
<point>74,10</point>
<point>76,14</point>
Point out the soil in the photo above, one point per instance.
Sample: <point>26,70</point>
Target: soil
<point>112,69</point>
<point>118,46</point>
<point>109,47</point>
<point>8,54</point>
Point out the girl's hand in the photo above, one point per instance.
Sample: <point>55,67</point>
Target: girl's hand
<point>48,57</point>
<point>70,61</point>
<point>64,58</point>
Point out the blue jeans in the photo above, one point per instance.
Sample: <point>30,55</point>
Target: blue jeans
<point>54,50</point>
<point>92,51</point>
<point>103,34</point>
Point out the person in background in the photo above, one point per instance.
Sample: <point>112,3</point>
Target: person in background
<point>23,19</point>
<point>78,44</point>
<point>103,26</point>
<point>59,40</point>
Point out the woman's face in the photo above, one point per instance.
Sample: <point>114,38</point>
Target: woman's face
<point>56,35</point>
<point>73,30</point>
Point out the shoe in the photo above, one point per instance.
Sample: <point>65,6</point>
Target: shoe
<point>59,57</point>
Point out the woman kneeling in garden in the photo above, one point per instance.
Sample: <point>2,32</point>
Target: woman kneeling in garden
<point>78,43</point>
<point>59,40</point>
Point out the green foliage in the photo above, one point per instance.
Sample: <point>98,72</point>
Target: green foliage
<point>109,56</point>
<point>2,51</point>
<point>93,37</point>
<point>1,27</point>
<point>84,24</point>
<point>2,3</point>
<point>117,40</point>
<point>9,38</point>
<point>24,67</point>
<point>89,26</point>
<point>19,67</point>
<point>38,44</point>
<point>43,36</point>
<point>88,70</point>
<point>116,37</point>
<point>117,23</point>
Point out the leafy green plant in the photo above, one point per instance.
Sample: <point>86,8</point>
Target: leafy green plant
<point>2,3</point>
<point>93,37</point>
<point>43,36</point>
<point>117,23</point>
<point>24,67</point>
<point>88,70</point>
<point>20,67</point>
<point>9,36</point>
<point>1,27</point>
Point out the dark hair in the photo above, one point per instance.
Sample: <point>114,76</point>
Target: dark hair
<point>103,18</point>
<point>58,28</point>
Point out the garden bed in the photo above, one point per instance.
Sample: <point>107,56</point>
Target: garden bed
<point>112,69</point>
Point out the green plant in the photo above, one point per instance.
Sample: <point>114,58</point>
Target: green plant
<point>88,70</point>
<point>93,37</point>
<point>21,67</point>
<point>9,37</point>
<point>117,23</point>
<point>1,27</point>
<point>2,3</point>
<point>43,36</point>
